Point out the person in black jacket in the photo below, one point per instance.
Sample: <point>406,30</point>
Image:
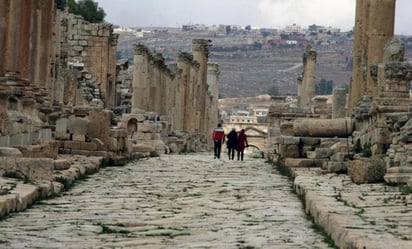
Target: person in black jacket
<point>231,143</point>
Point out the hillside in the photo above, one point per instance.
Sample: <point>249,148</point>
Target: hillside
<point>252,63</point>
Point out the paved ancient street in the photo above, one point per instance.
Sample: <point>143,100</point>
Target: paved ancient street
<point>187,201</point>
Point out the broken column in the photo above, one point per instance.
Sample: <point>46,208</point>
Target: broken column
<point>339,103</point>
<point>307,89</point>
<point>309,127</point>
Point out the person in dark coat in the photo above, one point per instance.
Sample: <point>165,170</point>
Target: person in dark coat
<point>231,143</point>
<point>241,144</point>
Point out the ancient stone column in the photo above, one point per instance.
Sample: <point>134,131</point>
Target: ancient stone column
<point>111,76</point>
<point>4,16</point>
<point>213,73</point>
<point>18,37</point>
<point>200,50</point>
<point>185,61</point>
<point>339,103</point>
<point>42,52</point>
<point>140,77</point>
<point>357,73</point>
<point>381,30</point>
<point>309,127</point>
<point>157,90</point>
<point>308,80</point>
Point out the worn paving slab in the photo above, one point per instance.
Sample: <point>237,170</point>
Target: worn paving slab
<point>174,201</point>
<point>374,216</point>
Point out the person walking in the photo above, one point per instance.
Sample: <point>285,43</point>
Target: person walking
<point>241,144</point>
<point>231,143</point>
<point>218,136</point>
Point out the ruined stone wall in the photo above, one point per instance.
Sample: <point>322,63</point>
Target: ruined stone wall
<point>91,47</point>
<point>180,92</point>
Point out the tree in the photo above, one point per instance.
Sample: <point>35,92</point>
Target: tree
<point>324,87</point>
<point>228,29</point>
<point>273,91</point>
<point>88,9</point>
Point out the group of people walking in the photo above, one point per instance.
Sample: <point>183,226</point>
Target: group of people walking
<point>234,142</point>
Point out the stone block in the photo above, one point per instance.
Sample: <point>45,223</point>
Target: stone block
<point>90,146</point>
<point>33,138</point>
<point>77,125</point>
<point>118,133</point>
<point>367,170</point>
<point>144,127</point>
<point>291,140</point>
<point>81,152</point>
<point>143,136</point>
<point>335,166</point>
<point>99,143</point>
<point>79,137</point>
<point>61,128</point>
<point>399,175</point>
<point>4,141</point>
<point>103,154</point>
<point>10,152</point>
<point>340,156</point>
<point>342,147</point>
<point>291,151</point>
<point>319,153</point>
<point>47,149</point>
<point>74,145</point>
<point>16,140</point>
<point>302,163</point>
<point>143,148</point>
<point>28,168</point>
<point>61,164</point>
<point>310,141</point>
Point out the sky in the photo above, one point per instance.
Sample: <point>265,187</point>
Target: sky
<point>257,13</point>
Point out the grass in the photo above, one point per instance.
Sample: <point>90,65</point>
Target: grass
<point>319,229</point>
<point>406,190</point>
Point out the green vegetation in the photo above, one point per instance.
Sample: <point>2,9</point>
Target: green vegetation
<point>273,91</point>
<point>319,229</point>
<point>88,9</point>
<point>365,150</point>
<point>324,87</point>
<point>405,190</point>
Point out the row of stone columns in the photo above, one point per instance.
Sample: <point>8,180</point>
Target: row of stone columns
<point>186,93</point>
<point>374,27</point>
<point>27,46</point>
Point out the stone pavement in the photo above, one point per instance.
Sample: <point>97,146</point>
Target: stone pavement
<point>173,201</point>
<point>367,216</point>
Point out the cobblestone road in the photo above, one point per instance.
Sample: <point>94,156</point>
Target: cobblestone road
<point>190,201</point>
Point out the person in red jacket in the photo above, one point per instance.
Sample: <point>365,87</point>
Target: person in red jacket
<point>241,144</point>
<point>218,138</point>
